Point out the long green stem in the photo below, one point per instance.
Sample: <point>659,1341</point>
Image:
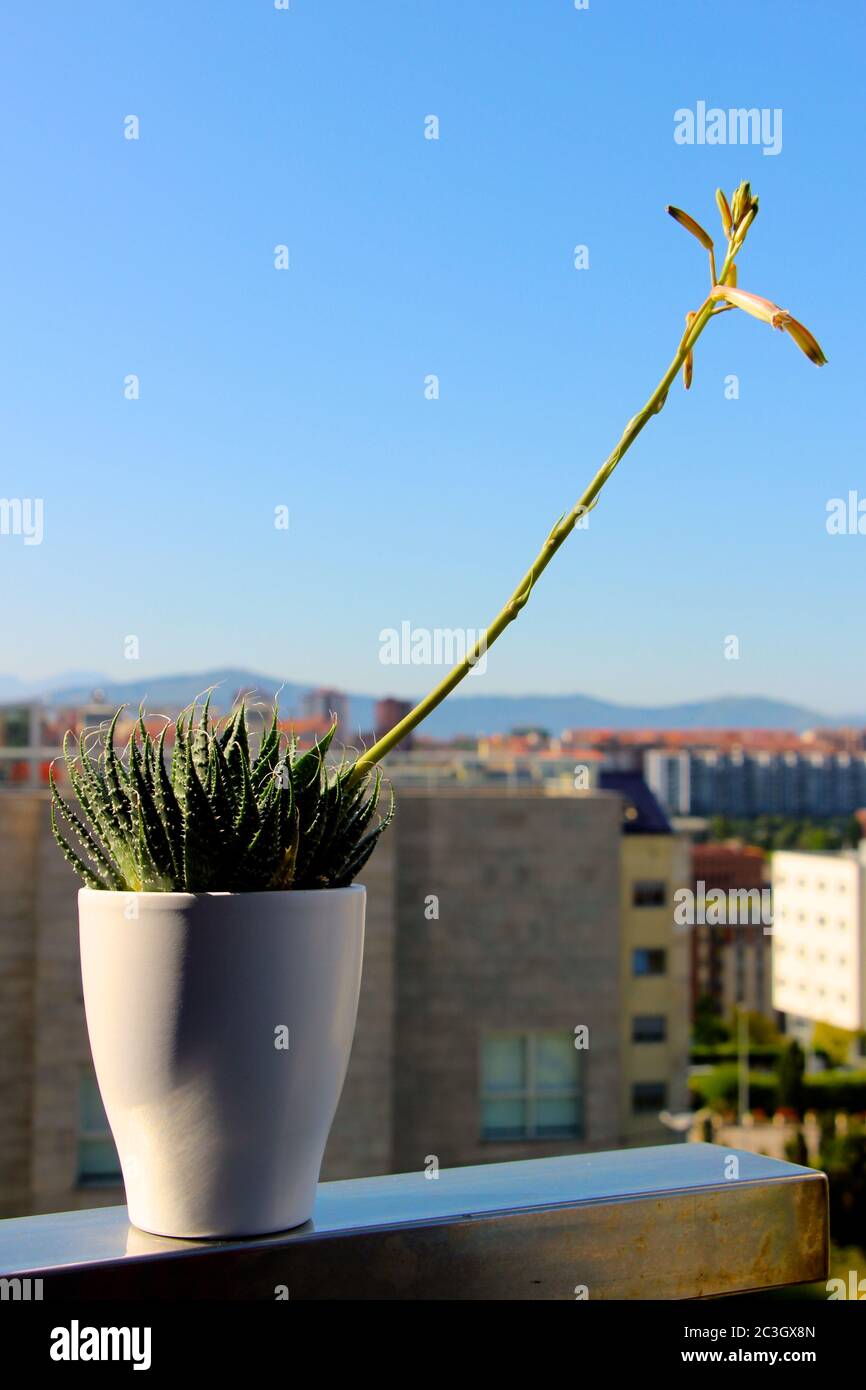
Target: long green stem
<point>560,532</point>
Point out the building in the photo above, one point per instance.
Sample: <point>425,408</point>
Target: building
<point>819,939</point>
<point>654,1023</point>
<point>31,738</point>
<point>731,960</point>
<point>524,993</point>
<point>22,750</point>
<point>668,775</point>
<point>327,704</point>
<point>387,713</point>
<point>742,781</point>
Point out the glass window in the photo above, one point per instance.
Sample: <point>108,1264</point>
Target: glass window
<point>531,1086</point>
<point>15,726</point>
<point>98,1164</point>
<point>648,1097</point>
<point>649,892</point>
<point>505,1065</point>
<point>649,962</point>
<point>649,1028</point>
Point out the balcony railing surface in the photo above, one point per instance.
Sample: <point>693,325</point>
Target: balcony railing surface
<point>675,1222</point>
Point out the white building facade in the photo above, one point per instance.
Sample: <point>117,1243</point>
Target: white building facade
<point>819,938</point>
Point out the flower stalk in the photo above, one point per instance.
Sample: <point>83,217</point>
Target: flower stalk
<point>737,218</point>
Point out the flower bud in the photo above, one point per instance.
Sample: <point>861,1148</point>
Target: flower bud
<point>725,210</point>
<point>745,224</point>
<point>691,226</point>
<point>805,341</point>
<point>742,203</point>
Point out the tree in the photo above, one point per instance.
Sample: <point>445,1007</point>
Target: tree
<point>708,1026</point>
<point>792,1066</point>
<point>843,1159</point>
<point>796,1150</point>
<point>834,1043</point>
<point>761,1030</point>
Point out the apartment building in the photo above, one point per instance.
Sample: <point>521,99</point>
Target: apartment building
<point>653,963</point>
<point>743,782</point>
<point>819,939</point>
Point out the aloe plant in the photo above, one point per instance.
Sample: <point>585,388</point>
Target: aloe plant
<point>216,818</point>
<point>222,820</point>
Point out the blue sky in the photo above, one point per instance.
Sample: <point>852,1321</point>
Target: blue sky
<point>409,257</point>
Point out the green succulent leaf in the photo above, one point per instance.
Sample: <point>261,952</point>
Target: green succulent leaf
<point>214,817</point>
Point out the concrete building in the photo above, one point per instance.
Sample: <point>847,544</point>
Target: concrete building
<point>653,962</point>
<point>742,782</point>
<point>326,704</point>
<point>668,775</point>
<point>31,737</point>
<point>388,712</point>
<point>524,994</point>
<point>819,938</point>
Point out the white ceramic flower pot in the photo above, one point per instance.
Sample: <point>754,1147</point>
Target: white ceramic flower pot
<point>221,1026</point>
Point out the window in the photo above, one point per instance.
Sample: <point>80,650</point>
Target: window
<point>648,1097</point>
<point>649,1028</point>
<point>649,962</point>
<point>98,1164</point>
<point>531,1086</point>
<point>649,892</point>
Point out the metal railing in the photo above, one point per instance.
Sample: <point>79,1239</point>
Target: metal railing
<point>675,1222</point>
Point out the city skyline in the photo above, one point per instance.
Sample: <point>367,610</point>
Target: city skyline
<point>496,711</point>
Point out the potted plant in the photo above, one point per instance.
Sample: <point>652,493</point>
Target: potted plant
<point>221,927</point>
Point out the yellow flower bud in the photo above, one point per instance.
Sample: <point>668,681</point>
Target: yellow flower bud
<point>745,224</point>
<point>805,341</point>
<point>691,226</point>
<point>725,210</point>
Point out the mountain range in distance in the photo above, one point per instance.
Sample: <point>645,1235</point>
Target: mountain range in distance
<point>469,715</point>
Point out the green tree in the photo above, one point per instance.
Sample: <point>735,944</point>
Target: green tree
<point>761,1030</point>
<point>792,1066</point>
<point>834,1043</point>
<point>796,1150</point>
<point>843,1159</point>
<point>709,1027</point>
